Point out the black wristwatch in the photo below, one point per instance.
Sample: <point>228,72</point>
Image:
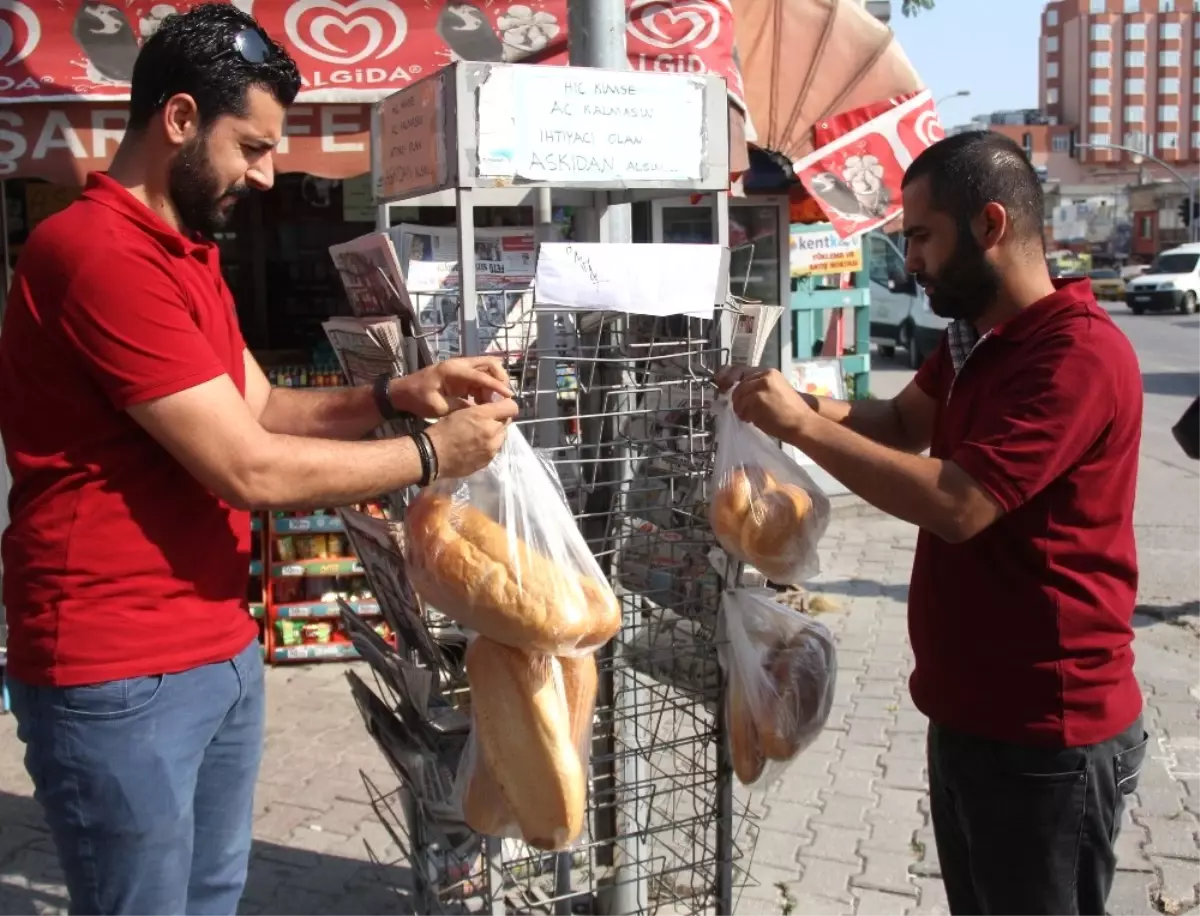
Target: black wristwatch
<point>383,399</point>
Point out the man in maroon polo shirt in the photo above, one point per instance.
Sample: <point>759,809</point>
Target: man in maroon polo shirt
<point>1025,573</point>
<point>139,430</point>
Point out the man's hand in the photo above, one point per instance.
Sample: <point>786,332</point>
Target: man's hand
<point>438,390</point>
<point>469,438</point>
<point>765,399</point>
<point>728,376</point>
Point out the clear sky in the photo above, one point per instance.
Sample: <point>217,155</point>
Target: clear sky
<point>989,47</point>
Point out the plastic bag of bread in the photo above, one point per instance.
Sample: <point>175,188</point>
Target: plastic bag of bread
<point>763,508</point>
<point>524,772</point>
<point>500,553</point>
<point>780,673</point>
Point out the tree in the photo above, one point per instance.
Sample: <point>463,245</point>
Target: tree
<point>914,7</point>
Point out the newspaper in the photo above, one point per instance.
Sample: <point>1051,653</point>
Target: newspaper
<point>428,255</point>
<point>368,347</point>
<point>375,544</point>
<point>754,325</point>
<point>371,276</point>
<point>426,765</point>
<point>505,260</point>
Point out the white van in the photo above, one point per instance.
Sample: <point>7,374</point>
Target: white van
<point>1172,283</point>
<point>901,321</point>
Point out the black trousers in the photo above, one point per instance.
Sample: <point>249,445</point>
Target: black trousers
<point>1026,830</point>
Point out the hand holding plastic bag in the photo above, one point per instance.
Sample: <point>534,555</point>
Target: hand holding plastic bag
<point>524,773</point>
<point>500,553</point>
<point>781,670</point>
<point>765,510</point>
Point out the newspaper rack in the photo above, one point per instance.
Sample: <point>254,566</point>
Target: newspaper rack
<point>631,439</point>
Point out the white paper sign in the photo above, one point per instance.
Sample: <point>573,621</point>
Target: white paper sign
<point>640,279</point>
<point>585,126</point>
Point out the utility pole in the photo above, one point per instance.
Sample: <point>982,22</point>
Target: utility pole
<point>596,38</point>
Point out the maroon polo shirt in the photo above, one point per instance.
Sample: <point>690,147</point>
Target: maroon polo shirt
<point>1024,633</point>
<point>117,562</point>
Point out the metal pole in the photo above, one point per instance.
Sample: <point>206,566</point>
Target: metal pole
<point>596,38</point>
<point>547,431</point>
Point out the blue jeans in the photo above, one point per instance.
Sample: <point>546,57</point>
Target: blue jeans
<point>148,784</point>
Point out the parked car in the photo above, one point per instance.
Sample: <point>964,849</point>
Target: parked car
<point>1107,284</point>
<point>1171,283</point>
<point>902,324</point>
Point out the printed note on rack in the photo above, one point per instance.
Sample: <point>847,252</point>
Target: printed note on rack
<point>640,279</point>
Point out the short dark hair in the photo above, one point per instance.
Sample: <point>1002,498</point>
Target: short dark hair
<point>193,53</point>
<point>968,171</point>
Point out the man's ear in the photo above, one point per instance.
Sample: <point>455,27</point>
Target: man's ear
<point>991,225</point>
<point>181,118</point>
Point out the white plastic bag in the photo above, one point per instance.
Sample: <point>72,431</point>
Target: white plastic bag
<point>524,773</point>
<point>764,509</point>
<point>500,553</point>
<point>781,670</point>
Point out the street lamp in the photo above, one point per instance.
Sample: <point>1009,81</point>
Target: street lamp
<point>1139,155</point>
<point>961,94</point>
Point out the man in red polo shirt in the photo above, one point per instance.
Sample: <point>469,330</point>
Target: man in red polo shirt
<point>139,430</point>
<point>1025,573</point>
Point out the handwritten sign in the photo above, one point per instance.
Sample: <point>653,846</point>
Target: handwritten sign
<point>583,126</point>
<point>410,137</point>
<point>639,279</point>
<point>823,251</point>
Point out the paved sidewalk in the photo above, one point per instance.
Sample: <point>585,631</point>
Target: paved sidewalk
<point>846,833</point>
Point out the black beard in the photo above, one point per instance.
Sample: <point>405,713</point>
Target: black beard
<point>967,285</point>
<point>196,191</point>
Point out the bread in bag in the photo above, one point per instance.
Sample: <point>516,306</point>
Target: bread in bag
<point>469,568</point>
<point>522,728</point>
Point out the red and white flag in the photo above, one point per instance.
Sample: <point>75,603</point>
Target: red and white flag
<point>856,175</point>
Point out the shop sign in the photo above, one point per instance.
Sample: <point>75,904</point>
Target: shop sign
<point>347,50</point>
<point>822,251</point>
<point>62,143</point>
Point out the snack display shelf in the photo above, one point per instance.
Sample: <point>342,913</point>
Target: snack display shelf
<point>334,651</point>
<point>342,566</point>
<point>256,567</point>
<point>258,610</point>
<point>309,524</point>
<point>317,609</point>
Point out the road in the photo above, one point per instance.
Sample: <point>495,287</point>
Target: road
<point>846,829</point>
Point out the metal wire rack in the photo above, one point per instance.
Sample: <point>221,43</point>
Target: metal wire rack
<point>620,405</point>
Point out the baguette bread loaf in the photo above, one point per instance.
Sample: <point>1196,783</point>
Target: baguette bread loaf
<point>745,747</point>
<point>523,731</point>
<point>484,807</point>
<point>761,521</point>
<point>467,566</point>
<point>580,680</point>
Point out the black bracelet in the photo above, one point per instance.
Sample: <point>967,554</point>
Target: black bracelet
<point>433,456</point>
<point>428,458</point>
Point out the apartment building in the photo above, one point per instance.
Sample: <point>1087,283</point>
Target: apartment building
<point>1125,72</point>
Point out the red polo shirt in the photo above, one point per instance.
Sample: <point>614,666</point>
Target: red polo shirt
<point>1024,633</point>
<point>117,562</point>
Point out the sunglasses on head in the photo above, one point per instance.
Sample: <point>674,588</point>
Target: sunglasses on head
<point>250,46</point>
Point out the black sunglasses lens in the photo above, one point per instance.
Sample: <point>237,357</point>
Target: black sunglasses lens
<point>251,46</point>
